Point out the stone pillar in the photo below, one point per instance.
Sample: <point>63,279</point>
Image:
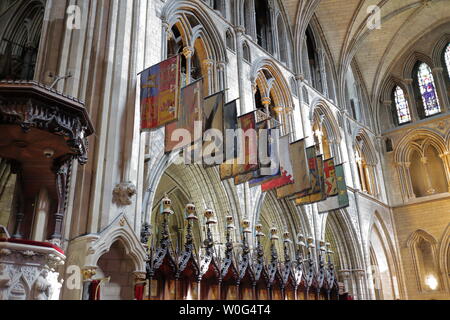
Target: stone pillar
<point>40,218</point>
<point>359,275</point>
<point>345,276</point>
<point>239,35</point>
<point>208,64</point>
<point>166,36</point>
<point>411,100</point>
<point>188,52</point>
<point>405,180</point>
<point>441,88</point>
<point>221,76</point>
<point>251,15</point>
<point>323,73</point>
<point>446,161</point>
<point>387,105</point>
<point>430,189</point>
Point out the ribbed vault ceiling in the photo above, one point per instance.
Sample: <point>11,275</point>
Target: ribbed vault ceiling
<point>344,26</point>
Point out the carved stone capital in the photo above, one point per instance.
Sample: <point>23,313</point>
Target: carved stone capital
<point>188,52</point>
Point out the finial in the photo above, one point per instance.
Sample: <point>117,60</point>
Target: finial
<point>259,229</point>
<point>209,215</point>
<point>273,233</point>
<point>191,211</point>
<point>286,237</point>
<point>167,205</point>
<point>246,226</point>
<point>230,224</point>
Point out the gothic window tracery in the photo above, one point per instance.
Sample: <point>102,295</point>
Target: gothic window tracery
<point>447,59</point>
<point>427,90</point>
<point>403,114</point>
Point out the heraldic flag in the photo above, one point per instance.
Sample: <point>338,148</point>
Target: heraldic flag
<point>160,88</point>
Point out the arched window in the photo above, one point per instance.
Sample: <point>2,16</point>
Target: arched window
<point>313,60</point>
<point>427,87</point>
<point>365,162</point>
<point>246,52</point>
<point>427,172</point>
<point>219,5</point>
<point>423,250</point>
<point>401,106</point>
<point>305,95</point>
<point>294,87</point>
<point>20,42</point>
<point>447,59</point>
<point>230,40</point>
<point>263,25</point>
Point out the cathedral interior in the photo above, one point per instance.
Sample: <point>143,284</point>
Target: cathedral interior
<point>93,208</point>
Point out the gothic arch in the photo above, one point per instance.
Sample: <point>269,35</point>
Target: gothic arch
<point>444,256</point>
<point>439,49</point>
<point>419,261</point>
<point>411,61</point>
<point>175,11</point>
<point>320,108</point>
<point>119,230</point>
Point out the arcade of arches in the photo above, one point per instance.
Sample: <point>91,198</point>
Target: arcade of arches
<point>84,192</point>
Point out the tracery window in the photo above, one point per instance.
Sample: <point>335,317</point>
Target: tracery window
<point>447,59</point>
<point>428,90</point>
<point>401,105</point>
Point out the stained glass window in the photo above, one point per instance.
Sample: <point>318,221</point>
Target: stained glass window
<point>428,90</point>
<point>447,59</point>
<point>403,114</point>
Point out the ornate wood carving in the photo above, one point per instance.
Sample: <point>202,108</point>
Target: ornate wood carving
<point>30,105</point>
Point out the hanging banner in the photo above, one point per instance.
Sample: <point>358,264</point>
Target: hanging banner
<point>213,120</point>
<point>285,167</point>
<point>297,152</point>
<point>160,90</point>
<point>247,161</point>
<point>341,200</point>
<point>330,178</point>
<point>342,187</point>
<point>316,193</point>
<point>191,110</point>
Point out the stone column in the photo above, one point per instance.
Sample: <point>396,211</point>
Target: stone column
<point>446,161</point>
<point>359,279</point>
<point>40,218</point>
<point>221,76</point>
<point>441,88</point>
<point>188,52</point>
<point>430,189</point>
<point>411,100</point>
<point>323,73</point>
<point>345,276</point>
<point>239,35</point>
<point>251,15</point>
<point>166,36</point>
<point>208,64</point>
<point>387,105</point>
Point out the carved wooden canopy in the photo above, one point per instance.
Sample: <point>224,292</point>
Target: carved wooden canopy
<point>29,104</point>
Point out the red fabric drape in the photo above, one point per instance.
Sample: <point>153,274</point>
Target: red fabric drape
<point>139,291</point>
<point>33,243</point>
<point>93,288</point>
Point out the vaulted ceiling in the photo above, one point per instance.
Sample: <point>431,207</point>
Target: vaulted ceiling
<point>345,29</point>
